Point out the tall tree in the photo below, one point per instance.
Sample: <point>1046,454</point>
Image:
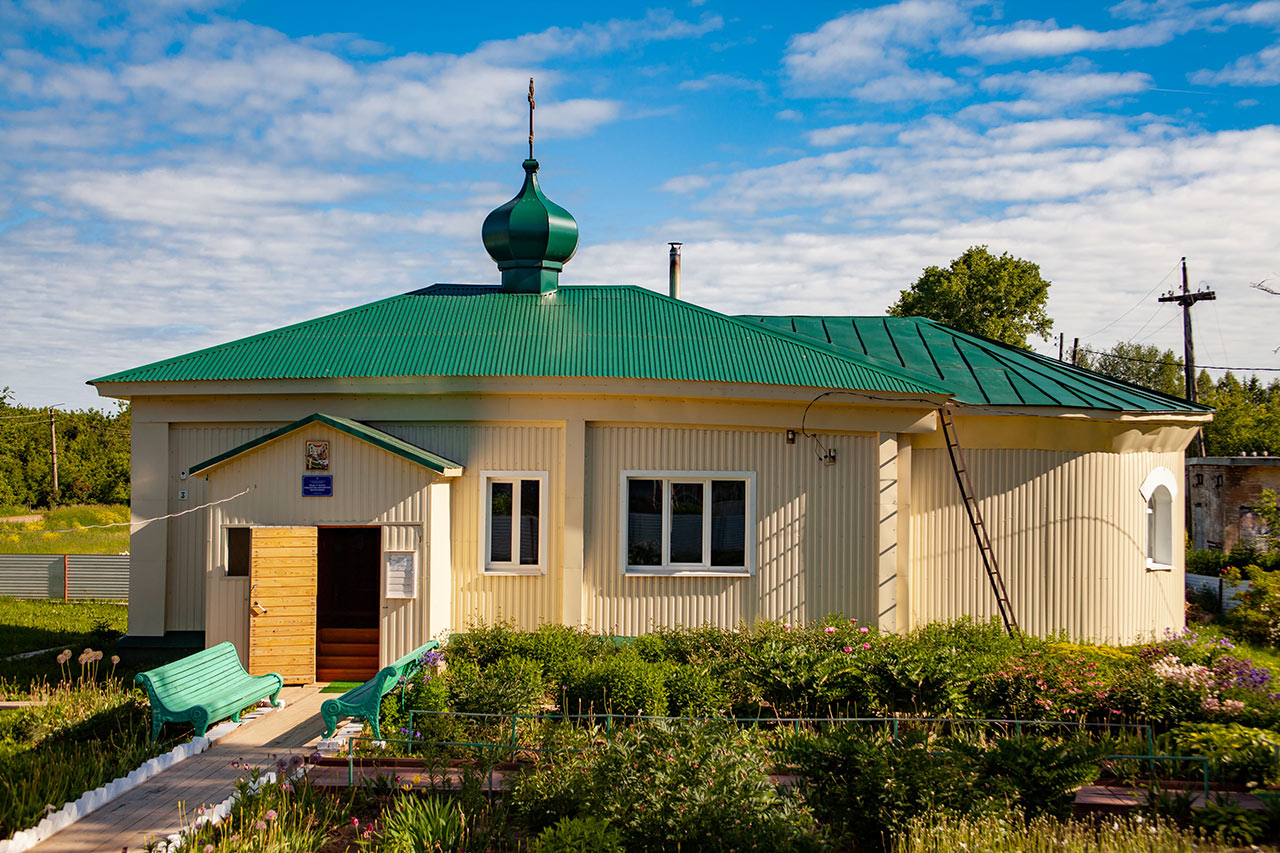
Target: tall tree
<point>1002,298</point>
<point>1148,366</point>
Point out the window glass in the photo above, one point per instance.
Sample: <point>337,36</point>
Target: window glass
<point>644,522</point>
<point>500,509</point>
<point>529,508</point>
<point>728,522</point>
<point>238,552</point>
<point>1160,527</point>
<point>686,522</point>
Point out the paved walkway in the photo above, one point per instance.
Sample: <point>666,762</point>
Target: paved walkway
<point>152,809</point>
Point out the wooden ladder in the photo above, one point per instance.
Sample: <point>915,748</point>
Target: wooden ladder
<point>975,521</point>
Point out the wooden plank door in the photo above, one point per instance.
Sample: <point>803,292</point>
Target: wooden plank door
<point>282,602</point>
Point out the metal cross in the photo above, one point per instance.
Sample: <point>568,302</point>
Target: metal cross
<point>531,106</point>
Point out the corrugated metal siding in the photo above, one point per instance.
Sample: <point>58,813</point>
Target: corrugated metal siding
<point>528,600</point>
<point>594,331</point>
<point>98,576</point>
<point>188,534</point>
<point>370,486</point>
<point>978,371</point>
<point>1069,532</point>
<point>41,576</point>
<point>815,529</point>
<point>31,575</point>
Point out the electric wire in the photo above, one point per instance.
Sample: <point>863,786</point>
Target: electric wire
<point>1144,298</point>
<point>1175,363</point>
<point>133,524</point>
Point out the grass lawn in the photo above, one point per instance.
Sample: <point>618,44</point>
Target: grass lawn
<point>28,625</point>
<point>32,538</point>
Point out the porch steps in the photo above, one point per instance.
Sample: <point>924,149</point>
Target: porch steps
<point>346,654</point>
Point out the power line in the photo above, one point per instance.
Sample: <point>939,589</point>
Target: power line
<point>1176,364</point>
<point>1139,302</point>
<point>132,524</point>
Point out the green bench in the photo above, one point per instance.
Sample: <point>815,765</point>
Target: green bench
<point>365,702</point>
<point>203,688</point>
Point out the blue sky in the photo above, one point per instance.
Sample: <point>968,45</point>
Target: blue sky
<point>179,174</point>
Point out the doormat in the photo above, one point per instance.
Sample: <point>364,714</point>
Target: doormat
<point>341,686</point>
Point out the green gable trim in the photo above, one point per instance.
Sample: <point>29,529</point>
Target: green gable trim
<point>979,371</point>
<point>616,332</point>
<point>376,437</point>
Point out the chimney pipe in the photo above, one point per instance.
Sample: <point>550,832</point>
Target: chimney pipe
<point>675,269</point>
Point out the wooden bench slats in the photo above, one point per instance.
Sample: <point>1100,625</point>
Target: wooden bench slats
<point>204,687</point>
<point>365,701</point>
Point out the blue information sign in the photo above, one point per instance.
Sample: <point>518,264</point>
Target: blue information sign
<point>317,485</point>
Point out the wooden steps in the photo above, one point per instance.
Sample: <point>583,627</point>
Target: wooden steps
<point>346,654</point>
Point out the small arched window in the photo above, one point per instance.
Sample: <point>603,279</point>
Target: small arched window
<point>1159,490</point>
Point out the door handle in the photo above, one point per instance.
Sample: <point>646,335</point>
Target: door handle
<point>258,609</point>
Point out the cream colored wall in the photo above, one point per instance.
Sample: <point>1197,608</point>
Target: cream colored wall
<point>529,600</point>
<point>1068,529</point>
<point>814,529</point>
<point>370,487</point>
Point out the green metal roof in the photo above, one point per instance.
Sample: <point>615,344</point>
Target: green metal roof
<point>593,331</point>
<point>978,371</point>
<point>376,437</point>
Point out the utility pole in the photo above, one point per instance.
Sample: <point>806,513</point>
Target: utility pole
<point>53,455</point>
<point>1062,336</point>
<point>1186,299</point>
<point>1075,352</point>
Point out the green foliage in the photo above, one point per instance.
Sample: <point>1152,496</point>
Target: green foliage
<point>415,824</point>
<point>1229,822</point>
<point>31,624</point>
<point>693,691</point>
<point>866,787</point>
<point>1205,561</point>
<point>1038,775</point>
<point>1145,365</point>
<point>509,685</point>
<point>1257,617</point>
<point>1236,753</point>
<point>1002,298</point>
<point>36,537</point>
<point>93,456</point>
<point>276,817</point>
<point>1009,833</point>
<point>579,835</point>
<point>620,683</point>
<point>690,787</point>
<point>1246,416</point>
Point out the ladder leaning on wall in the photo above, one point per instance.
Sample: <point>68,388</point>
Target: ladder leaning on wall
<point>975,521</point>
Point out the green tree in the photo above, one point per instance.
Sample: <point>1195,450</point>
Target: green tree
<point>1246,416</point>
<point>1148,366</point>
<point>1002,298</point>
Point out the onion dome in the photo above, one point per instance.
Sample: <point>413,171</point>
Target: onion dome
<point>531,238</point>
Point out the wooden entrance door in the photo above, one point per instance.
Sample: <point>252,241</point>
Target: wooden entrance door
<point>282,602</point>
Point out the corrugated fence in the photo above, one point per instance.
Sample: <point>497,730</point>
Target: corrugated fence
<point>64,575</point>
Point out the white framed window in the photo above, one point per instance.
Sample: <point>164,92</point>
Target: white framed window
<point>514,507</point>
<point>682,523</point>
<point>1159,490</point>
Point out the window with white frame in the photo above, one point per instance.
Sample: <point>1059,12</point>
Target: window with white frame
<point>515,513</point>
<point>688,522</point>
<point>1159,490</point>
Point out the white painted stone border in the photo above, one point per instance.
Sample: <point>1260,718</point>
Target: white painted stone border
<point>91,801</point>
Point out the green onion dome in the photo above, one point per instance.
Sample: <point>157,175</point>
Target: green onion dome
<point>531,238</point>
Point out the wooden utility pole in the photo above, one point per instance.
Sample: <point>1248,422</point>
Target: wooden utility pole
<point>1075,352</point>
<point>53,455</point>
<point>1062,336</point>
<point>1186,299</point>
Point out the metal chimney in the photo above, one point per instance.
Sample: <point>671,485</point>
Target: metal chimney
<point>675,269</point>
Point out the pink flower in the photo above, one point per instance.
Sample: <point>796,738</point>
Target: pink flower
<point>262,824</point>
<point>270,815</point>
<point>115,659</point>
<point>853,621</point>
<point>829,630</point>
<point>786,627</point>
<point>863,630</point>
<point>65,656</point>
<point>208,848</point>
<point>866,645</point>
<point>355,821</point>
<point>848,649</point>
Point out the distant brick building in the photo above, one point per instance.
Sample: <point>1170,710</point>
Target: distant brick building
<point>1223,491</point>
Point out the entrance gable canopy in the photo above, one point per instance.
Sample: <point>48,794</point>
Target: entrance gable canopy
<point>376,437</point>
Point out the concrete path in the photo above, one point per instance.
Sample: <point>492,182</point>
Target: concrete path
<point>152,809</point>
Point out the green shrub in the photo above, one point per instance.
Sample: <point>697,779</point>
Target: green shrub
<point>619,683</point>
<point>1236,753</point>
<point>797,679</point>
<point>866,787</point>
<point>684,787</point>
<point>1037,775</point>
<point>692,691</point>
<point>1230,822</point>
<point>510,685</point>
<point>415,824</point>
<point>1257,617</point>
<point>579,835</point>
<point>560,650</point>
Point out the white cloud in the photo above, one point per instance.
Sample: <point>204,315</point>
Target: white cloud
<point>722,81</point>
<point>1069,86</point>
<point>1257,69</point>
<point>1046,38</point>
<point>595,39</point>
<point>869,52</point>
